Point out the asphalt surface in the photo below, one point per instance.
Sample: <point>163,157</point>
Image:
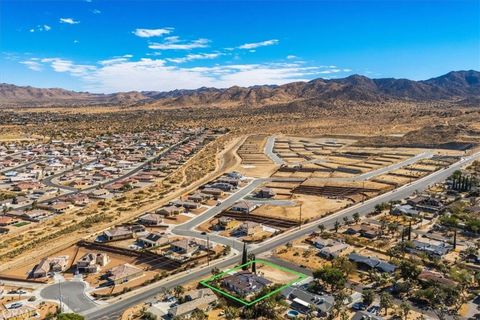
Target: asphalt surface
<point>186,229</point>
<point>122,177</point>
<point>115,309</point>
<point>269,151</point>
<point>72,294</point>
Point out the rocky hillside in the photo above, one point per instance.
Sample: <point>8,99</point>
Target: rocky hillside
<point>463,86</point>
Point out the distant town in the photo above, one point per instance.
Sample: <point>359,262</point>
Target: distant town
<point>299,227</point>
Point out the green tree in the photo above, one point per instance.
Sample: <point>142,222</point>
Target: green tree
<point>198,314</point>
<point>368,296</point>
<point>331,276</point>
<point>344,264</point>
<point>69,316</point>
<point>405,308</point>
<point>356,217</point>
<point>178,290</point>
<point>321,227</point>
<point>409,270</point>
<point>336,226</point>
<point>148,316</point>
<point>231,313</point>
<point>386,301</point>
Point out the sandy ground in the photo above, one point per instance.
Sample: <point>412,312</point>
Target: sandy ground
<point>275,275</point>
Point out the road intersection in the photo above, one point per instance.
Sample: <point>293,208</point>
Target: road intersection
<point>114,309</point>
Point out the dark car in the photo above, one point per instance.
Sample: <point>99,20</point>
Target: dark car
<point>359,306</point>
<point>374,310</point>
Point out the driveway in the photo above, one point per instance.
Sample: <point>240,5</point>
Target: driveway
<point>73,295</point>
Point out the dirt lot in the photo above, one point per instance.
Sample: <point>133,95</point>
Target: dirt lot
<point>275,275</point>
<point>254,162</point>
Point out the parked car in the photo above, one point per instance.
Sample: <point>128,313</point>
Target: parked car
<point>359,306</point>
<point>16,305</point>
<point>374,310</point>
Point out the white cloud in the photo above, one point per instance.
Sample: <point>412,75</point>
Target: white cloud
<point>32,64</point>
<point>63,65</point>
<point>120,73</point>
<point>76,41</point>
<point>41,28</point>
<point>69,21</point>
<point>96,11</point>
<point>174,43</point>
<point>191,57</point>
<point>147,33</point>
<point>254,45</point>
<point>291,56</point>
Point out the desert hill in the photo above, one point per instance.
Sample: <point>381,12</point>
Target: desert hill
<point>463,86</point>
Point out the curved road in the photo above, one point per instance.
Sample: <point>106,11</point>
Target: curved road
<point>72,294</point>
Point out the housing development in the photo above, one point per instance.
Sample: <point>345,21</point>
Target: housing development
<point>239,160</point>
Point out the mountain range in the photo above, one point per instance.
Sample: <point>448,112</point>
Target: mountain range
<point>461,86</point>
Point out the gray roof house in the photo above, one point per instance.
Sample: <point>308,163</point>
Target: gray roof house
<point>302,301</point>
<point>372,262</point>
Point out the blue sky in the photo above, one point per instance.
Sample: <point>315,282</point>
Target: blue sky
<point>108,46</point>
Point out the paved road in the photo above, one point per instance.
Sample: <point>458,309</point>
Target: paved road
<point>122,177</point>
<point>115,309</point>
<point>72,293</point>
<point>269,151</point>
<point>186,229</point>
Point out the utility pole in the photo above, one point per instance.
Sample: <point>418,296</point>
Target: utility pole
<point>60,293</point>
<point>300,221</point>
<point>208,250</point>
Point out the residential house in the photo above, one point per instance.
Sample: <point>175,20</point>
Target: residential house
<point>265,193</point>
<point>364,315</point>
<point>92,262</point>
<point>245,283</point>
<point>235,175</point>
<point>36,215</point>
<point>6,221</point>
<point>248,228</point>
<point>226,223</point>
<point>170,211</point>
<point>231,181</point>
<point>222,186</point>
<point>184,246</point>
<point>47,265</point>
<point>334,250</point>
<point>153,239</point>
<point>433,248</point>
<point>371,263</point>
<point>213,191</point>
<point>25,312</point>
<point>243,207</point>
<point>405,209</point>
<point>150,219</point>
<point>186,204</point>
<point>426,203</point>
<point>60,207</point>
<point>118,233</point>
<point>123,273</point>
<point>435,277</point>
<point>100,194</point>
<point>201,299</point>
<point>304,301</point>
<point>366,231</point>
